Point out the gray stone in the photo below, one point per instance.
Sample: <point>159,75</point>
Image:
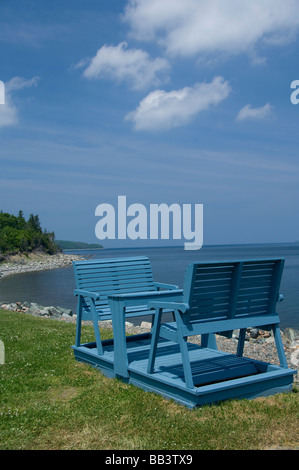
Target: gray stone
<point>35,309</point>
<point>54,311</point>
<point>254,333</point>
<point>44,312</point>
<point>11,307</point>
<point>145,325</point>
<point>270,339</point>
<point>66,316</point>
<point>291,333</point>
<point>63,310</point>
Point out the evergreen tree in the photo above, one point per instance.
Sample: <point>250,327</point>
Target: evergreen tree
<point>19,235</point>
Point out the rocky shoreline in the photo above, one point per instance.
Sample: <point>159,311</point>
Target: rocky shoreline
<point>259,344</point>
<point>37,261</point>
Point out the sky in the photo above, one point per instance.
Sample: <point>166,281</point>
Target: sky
<point>173,101</point>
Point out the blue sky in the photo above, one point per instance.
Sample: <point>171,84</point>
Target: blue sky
<point>173,101</point>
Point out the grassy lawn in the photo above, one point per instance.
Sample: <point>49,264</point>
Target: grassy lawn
<point>49,401</point>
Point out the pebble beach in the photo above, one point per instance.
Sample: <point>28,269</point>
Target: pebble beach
<point>38,261</point>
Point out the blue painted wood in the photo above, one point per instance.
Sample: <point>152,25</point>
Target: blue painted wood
<point>211,370</point>
<point>218,298</point>
<point>118,304</point>
<point>96,280</point>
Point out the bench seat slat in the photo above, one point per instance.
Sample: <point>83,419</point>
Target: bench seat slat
<point>111,276</point>
<point>103,289</point>
<point>110,270</point>
<point>120,267</point>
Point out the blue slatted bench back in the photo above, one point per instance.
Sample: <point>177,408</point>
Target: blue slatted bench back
<point>227,290</point>
<point>112,276</point>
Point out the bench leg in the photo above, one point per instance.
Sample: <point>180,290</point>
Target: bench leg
<point>209,341</point>
<point>279,346</point>
<point>186,361</point>
<point>241,342</point>
<point>154,342</point>
<point>79,321</point>
<point>96,329</point>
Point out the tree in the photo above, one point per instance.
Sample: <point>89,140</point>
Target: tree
<point>34,223</point>
<point>19,235</point>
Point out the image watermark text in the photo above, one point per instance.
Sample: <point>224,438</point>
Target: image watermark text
<point>295,94</point>
<point>2,92</point>
<point>161,221</point>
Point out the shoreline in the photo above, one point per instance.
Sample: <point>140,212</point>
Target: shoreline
<point>38,261</point>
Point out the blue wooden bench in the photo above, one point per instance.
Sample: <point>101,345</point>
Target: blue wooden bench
<point>125,282</point>
<point>219,297</point>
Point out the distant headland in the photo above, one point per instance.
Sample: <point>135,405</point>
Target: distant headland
<point>69,245</point>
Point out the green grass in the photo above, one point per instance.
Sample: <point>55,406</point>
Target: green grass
<point>50,401</point>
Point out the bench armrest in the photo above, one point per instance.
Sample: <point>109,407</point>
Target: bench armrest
<point>142,298</point>
<point>87,293</point>
<point>162,285</point>
<point>141,295</point>
<point>180,306</point>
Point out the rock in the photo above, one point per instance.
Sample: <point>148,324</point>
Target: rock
<point>65,316</point>
<point>236,335</point>
<point>106,324</point>
<point>145,325</point>
<point>44,312</point>
<point>11,307</point>
<point>254,333</point>
<point>54,311</point>
<point>295,344</point>
<point>34,309</point>
<point>266,334</point>
<point>291,333</point>
<point>270,339</point>
<point>66,311</point>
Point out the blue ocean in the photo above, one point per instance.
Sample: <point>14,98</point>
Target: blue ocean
<point>55,287</point>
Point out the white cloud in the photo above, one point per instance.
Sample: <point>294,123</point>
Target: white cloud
<point>132,65</point>
<point>194,27</point>
<point>164,110</point>
<point>18,83</point>
<point>8,111</point>
<point>254,113</point>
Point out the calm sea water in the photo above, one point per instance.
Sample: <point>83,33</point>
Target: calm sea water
<point>55,287</point>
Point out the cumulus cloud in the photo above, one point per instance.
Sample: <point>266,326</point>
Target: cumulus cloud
<point>164,110</point>
<point>123,64</point>
<point>254,113</point>
<point>8,111</point>
<point>194,27</point>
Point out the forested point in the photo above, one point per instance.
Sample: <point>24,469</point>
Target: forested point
<point>18,235</point>
<point>70,245</point>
